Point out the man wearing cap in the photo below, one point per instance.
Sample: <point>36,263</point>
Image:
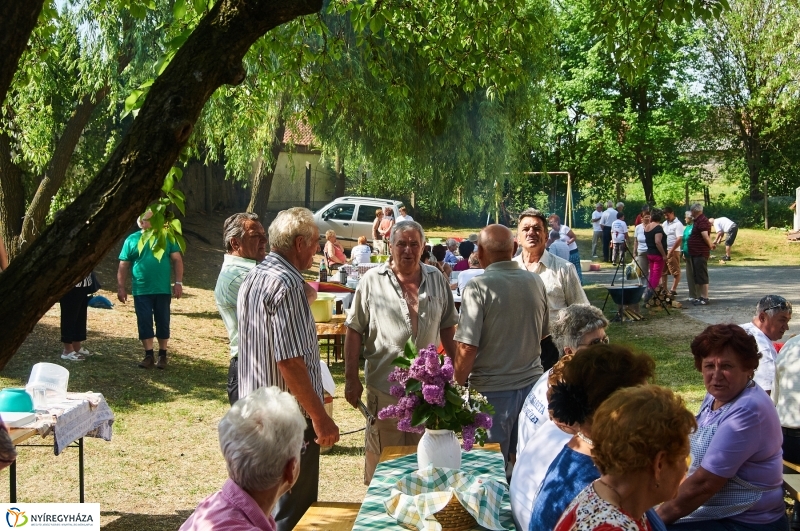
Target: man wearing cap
<point>597,230</point>
<point>152,293</point>
<point>474,239</point>
<point>773,314</point>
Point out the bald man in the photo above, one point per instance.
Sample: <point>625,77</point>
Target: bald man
<point>504,316</point>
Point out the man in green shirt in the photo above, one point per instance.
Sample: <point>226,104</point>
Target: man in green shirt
<point>152,293</point>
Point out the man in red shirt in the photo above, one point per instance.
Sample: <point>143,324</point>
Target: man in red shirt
<point>699,246</point>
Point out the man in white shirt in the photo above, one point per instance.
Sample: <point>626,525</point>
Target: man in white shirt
<point>786,395</point>
<point>559,276</point>
<point>725,226</point>
<point>597,230</point>
<point>619,238</point>
<point>403,215</point>
<point>773,313</point>
<point>673,228</point>
<point>606,219</point>
<point>474,270</point>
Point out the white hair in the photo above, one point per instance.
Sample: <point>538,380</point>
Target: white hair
<point>696,208</point>
<point>610,204</point>
<point>620,205</point>
<point>288,225</point>
<point>259,435</point>
<point>404,226</point>
<point>574,322</point>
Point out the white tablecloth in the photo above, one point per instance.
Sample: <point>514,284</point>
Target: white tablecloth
<point>79,415</point>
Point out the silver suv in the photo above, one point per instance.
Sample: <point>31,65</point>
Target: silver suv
<point>351,217</point>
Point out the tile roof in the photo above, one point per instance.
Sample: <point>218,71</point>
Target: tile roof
<point>299,132</point>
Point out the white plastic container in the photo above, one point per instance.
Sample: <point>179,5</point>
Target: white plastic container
<point>52,377</point>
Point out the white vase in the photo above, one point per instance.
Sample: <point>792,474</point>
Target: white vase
<point>439,448</point>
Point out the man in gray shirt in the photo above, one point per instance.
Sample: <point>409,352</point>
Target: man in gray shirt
<point>504,316</point>
<point>556,246</point>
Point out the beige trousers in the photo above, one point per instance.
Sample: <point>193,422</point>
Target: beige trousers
<point>383,433</point>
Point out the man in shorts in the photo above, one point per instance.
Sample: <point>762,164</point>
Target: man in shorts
<point>725,229</point>
<point>673,228</point>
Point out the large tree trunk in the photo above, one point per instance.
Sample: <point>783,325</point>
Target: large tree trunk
<point>57,168</point>
<point>340,176</point>
<point>17,20</point>
<point>265,171</point>
<point>749,135</point>
<point>12,197</point>
<point>132,178</point>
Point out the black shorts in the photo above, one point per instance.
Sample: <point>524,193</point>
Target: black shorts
<point>700,269</point>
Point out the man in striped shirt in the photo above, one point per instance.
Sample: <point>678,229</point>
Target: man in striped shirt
<point>396,301</point>
<point>245,246</point>
<point>278,345</point>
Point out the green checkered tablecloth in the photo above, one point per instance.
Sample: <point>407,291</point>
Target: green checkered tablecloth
<point>478,463</point>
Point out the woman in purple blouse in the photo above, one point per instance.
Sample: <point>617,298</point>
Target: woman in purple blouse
<point>735,480</point>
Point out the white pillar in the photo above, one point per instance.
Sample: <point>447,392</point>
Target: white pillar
<point>797,209</point>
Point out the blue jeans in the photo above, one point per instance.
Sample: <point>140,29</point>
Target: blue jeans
<point>507,405</point>
<point>149,307</point>
<point>727,524</point>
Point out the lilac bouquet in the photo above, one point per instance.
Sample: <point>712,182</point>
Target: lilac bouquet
<point>428,397</point>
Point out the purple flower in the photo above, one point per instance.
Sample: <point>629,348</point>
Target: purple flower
<point>397,391</point>
<point>432,366</point>
<point>483,420</point>
<point>433,394</point>
<point>404,424</point>
<point>408,403</point>
<point>447,369</point>
<point>398,375</point>
<point>387,413</point>
<point>468,437</point>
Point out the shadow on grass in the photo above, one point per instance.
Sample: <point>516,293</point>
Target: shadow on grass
<point>150,522</point>
<point>115,374</point>
<point>357,451</point>
<point>199,315</point>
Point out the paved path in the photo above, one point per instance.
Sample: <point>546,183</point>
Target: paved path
<point>734,292</point>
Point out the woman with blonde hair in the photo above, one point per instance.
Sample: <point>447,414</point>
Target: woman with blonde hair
<point>641,447</point>
<point>334,251</point>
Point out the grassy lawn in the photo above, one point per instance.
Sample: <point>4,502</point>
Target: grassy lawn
<point>164,456</point>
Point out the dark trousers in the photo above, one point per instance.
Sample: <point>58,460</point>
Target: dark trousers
<point>233,380</point>
<point>791,445</point>
<point>294,504</point>
<point>73,315</point>
<point>728,524</point>
<point>606,243</point>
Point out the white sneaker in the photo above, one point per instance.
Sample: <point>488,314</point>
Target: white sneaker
<point>83,352</point>
<point>71,356</point>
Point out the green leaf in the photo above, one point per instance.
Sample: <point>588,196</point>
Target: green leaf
<point>412,386</point>
<point>376,23</point>
<point>400,361</point>
<point>410,349</point>
<point>168,183</point>
<point>179,9</point>
<point>421,415</point>
<point>199,5</point>
<point>181,242</point>
<point>178,202</point>
<point>175,224</point>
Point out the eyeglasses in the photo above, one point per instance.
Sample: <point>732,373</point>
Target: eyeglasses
<point>596,341</point>
<point>785,306</point>
<point>303,448</point>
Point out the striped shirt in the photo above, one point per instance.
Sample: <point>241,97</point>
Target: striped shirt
<point>275,324</point>
<point>231,276</point>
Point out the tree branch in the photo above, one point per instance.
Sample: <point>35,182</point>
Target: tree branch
<point>131,179</point>
<point>17,20</point>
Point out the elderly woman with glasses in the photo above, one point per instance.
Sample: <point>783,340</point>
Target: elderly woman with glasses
<point>261,438</point>
<point>539,440</point>
<point>735,481</point>
<point>641,448</point>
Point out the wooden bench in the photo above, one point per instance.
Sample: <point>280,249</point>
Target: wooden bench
<point>329,516</point>
<point>791,479</point>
